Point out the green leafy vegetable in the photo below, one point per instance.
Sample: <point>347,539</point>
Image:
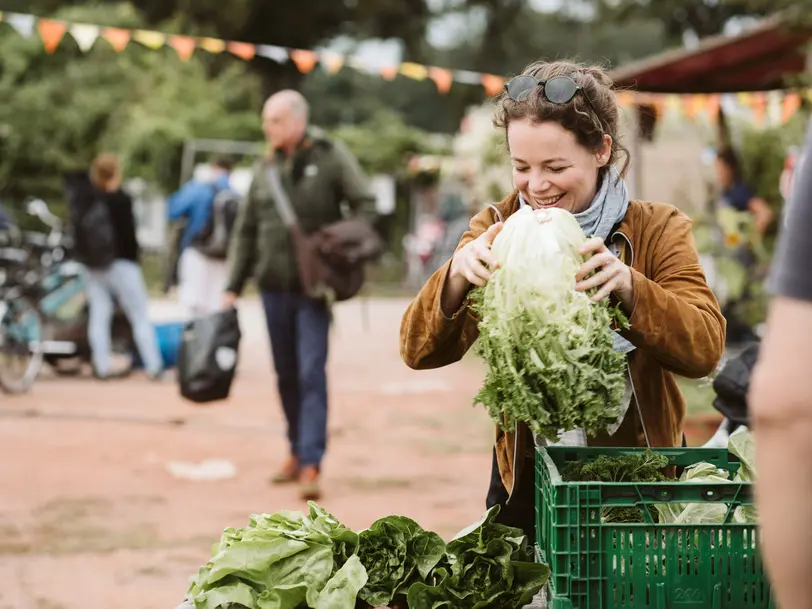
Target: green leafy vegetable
<point>281,561</point>
<point>488,565</point>
<point>548,349</point>
<point>623,468</point>
<point>740,444</point>
<point>396,553</point>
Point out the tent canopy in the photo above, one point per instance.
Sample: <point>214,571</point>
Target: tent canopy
<point>763,58</point>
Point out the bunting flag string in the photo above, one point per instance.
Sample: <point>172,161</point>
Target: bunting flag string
<point>775,106</point>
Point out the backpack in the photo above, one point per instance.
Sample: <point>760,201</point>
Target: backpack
<point>213,241</point>
<point>97,235</point>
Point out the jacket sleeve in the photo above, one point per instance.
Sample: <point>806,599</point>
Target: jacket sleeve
<point>181,203</point>
<point>429,338</point>
<point>243,247</point>
<point>675,314</point>
<point>354,184</point>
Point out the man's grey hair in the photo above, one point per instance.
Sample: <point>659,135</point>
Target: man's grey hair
<point>295,101</point>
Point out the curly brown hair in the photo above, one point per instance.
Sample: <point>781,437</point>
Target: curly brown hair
<point>588,123</point>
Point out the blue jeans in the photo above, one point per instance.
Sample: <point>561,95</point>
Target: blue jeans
<point>299,328</point>
<point>124,282</point>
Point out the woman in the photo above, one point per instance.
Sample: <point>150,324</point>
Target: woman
<point>120,281</point>
<point>736,194</point>
<point>561,125</point>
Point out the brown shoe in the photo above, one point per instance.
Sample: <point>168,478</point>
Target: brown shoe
<point>289,472</point>
<point>309,489</point>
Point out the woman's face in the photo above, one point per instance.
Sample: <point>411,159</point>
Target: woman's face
<point>550,167</point>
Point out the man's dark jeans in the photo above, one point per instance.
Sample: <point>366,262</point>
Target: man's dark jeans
<point>299,328</point>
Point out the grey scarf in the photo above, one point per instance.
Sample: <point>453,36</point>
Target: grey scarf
<point>607,210</point>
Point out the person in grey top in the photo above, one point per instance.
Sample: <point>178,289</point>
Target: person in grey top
<point>781,403</point>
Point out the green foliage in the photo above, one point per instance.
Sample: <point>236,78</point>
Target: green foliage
<point>763,151</point>
<point>624,468</point>
<point>61,110</point>
<point>396,552</point>
<point>487,565</point>
<point>384,143</point>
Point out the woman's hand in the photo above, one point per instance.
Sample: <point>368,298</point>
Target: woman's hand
<point>611,275</point>
<point>472,265</point>
<point>475,263</point>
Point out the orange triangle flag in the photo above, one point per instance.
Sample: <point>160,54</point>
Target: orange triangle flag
<point>493,84</point>
<point>625,99</point>
<point>790,105</point>
<point>442,78</point>
<point>389,72</point>
<point>183,45</point>
<point>759,107</point>
<point>118,38</point>
<point>243,50</point>
<point>305,60</point>
<point>52,33</point>
<point>714,103</point>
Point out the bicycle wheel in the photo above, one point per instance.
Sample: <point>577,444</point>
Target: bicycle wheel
<point>21,352</point>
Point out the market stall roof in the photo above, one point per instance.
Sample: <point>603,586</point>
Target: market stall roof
<point>762,58</point>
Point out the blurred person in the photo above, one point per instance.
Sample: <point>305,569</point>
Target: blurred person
<point>201,278</point>
<point>561,123</point>
<point>319,175</point>
<point>736,194</point>
<point>116,276</point>
<point>781,405</point>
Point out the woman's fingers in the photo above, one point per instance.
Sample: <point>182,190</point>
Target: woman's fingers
<point>477,273</point>
<point>607,288</point>
<point>493,230</point>
<point>481,252</point>
<point>596,280</point>
<point>591,246</point>
<point>593,264</point>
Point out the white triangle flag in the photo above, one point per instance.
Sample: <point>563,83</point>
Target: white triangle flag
<point>85,35</point>
<point>24,24</point>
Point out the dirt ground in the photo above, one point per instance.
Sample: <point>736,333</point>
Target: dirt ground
<point>92,518</point>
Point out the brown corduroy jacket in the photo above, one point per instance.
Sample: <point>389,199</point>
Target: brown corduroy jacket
<point>676,325</point>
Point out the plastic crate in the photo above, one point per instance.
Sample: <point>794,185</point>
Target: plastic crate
<point>596,565</point>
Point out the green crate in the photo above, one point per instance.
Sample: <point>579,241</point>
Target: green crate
<point>645,565</point>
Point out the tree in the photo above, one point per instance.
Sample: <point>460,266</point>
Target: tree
<point>700,17</point>
<point>60,110</point>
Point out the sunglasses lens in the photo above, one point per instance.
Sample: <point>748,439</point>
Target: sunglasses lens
<point>560,89</point>
<point>520,87</point>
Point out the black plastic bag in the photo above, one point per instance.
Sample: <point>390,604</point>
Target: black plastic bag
<point>733,383</point>
<point>207,358</point>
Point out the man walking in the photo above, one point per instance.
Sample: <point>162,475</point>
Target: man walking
<point>781,403</point>
<point>202,277</point>
<point>319,176</point>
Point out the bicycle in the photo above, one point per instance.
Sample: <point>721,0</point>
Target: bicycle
<point>21,326</point>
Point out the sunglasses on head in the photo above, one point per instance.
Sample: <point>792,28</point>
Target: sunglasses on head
<point>557,90</point>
